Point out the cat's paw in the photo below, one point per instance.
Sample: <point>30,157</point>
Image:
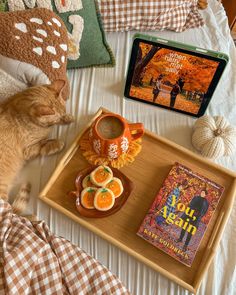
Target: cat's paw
<point>67,119</point>
<point>202,4</point>
<point>25,187</point>
<point>52,147</point>
<point>22,199</point>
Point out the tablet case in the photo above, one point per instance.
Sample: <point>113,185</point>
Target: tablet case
<point>181,45</point>
<point>218,59</point>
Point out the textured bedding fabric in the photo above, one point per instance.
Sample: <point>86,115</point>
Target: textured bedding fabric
<point>35,261</point>
<point>95,87</point>
<point>175,15</point>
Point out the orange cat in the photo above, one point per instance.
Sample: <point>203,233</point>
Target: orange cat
<point>25,121</point>
<point>202,4</point>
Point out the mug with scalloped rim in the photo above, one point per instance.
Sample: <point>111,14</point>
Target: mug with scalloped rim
<point>111,135</point>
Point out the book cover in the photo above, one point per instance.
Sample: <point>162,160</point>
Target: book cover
<point>180,213</point>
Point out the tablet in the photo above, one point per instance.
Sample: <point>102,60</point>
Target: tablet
<point>173,75</point>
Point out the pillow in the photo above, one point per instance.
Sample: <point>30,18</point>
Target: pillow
<point>87,42</point>
<point>33,49</point>
<point>9,86</point>
<point>144,15</point>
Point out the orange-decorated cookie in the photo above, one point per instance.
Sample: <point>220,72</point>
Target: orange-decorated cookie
<point>104,199</point>
<point>87,182</point>
<point>115,185</point>
<point>101,175</point>
<point>87,197</point>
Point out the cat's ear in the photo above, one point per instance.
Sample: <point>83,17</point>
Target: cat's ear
<point>58,86</point>
<point>42,110</point>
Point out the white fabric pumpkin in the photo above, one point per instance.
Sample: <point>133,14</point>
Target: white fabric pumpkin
<point>214,137</point>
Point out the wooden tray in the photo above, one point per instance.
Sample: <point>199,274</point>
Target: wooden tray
<point>147,174</point>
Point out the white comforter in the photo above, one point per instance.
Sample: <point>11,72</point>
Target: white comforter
<point>95,87</point>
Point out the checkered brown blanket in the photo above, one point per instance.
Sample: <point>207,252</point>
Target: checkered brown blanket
<point>35,261</point>
<point>143,15</point>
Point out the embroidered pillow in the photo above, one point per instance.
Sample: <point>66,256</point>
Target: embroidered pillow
<point>33,50</point>
<point>87,42</point>
<point>144,15</point>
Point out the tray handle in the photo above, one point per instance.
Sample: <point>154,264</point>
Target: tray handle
<point>216,230</point>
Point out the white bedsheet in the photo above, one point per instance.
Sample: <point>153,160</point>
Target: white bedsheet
<point>95,87</point>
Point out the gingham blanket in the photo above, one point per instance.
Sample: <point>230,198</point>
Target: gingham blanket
<point>144,15</point>
<point>35,261</point>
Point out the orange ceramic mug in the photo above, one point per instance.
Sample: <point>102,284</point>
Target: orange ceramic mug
<point>111,135</point>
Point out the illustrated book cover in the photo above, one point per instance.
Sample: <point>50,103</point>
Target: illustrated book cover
<point>180,213</point>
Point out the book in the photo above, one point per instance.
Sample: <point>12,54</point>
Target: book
<point>180,213</point>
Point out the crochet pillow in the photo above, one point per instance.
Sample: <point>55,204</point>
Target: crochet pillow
<point>144,15</point>
<point>87,43</point>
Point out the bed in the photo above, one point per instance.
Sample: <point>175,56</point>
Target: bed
<point>95,87</point>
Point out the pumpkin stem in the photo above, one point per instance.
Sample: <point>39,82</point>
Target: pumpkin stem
<point>218,132</point>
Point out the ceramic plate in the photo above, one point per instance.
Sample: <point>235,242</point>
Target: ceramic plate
<point>119,202</point>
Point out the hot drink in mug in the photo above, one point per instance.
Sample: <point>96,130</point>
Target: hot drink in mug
<point>111,135</point>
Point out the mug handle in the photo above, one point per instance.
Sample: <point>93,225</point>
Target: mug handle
<point>138,127</point>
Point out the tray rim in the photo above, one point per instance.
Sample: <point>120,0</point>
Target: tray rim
<point>215,236</point>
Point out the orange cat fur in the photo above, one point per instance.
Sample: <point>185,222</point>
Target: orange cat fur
<point>202,4</point>
<point>25,121</point>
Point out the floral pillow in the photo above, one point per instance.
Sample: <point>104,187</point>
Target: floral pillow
<point>144,15</point>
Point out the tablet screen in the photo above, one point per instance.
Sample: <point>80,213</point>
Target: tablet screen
<point>171,78</point>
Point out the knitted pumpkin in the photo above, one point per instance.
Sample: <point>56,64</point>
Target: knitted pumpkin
<point>214,137</point>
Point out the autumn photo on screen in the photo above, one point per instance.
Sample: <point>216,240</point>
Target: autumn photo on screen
<point>180,213</point>
<point>170,78</point>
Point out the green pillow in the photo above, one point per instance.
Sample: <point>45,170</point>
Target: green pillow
<point>93,47</point>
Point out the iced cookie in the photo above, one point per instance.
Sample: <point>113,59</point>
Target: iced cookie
<point>87,197</point>
<point>104,199</point>
<point>115,185</point>
<point>101,175</point>
<point>87,182</point>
